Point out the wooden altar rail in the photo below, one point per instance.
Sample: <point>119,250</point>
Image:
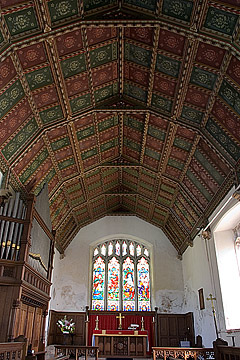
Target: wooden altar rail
<point>77,350</point>
<point>13,351</point>
<point>166,353</point>
<point>228,353</point>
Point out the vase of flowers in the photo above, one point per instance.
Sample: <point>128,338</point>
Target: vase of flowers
<point>67,327</point>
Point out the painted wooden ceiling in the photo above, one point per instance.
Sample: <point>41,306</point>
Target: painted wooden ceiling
<point>122,107</point>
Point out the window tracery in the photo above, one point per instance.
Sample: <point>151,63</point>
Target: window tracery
<point>121,276</point>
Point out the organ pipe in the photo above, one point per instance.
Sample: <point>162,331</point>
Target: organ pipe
<point>10,231</point>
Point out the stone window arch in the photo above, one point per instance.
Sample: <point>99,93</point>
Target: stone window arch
<point>121,276</point>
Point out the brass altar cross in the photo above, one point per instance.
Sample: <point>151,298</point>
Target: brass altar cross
<point>211,298</point>
<point>120,317</point>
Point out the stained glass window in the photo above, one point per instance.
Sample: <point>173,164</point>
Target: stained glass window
<point>121,276</point>
<point>131,249</point>
<point>110,249</point>
<point>103,250</point>
<point>113,285</point>
<point>124,248</point>
<point>117,249</point>
<point>139,250</point>
<point>143,285</point>
<point>98,284</point>
<point>128,285</point>
<point>146,252</point>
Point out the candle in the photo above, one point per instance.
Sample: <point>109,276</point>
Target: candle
<point>153,318</point>
<point>97,317</point>
<point>142,318</point>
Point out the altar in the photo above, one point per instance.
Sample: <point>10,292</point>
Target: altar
<point>120,343</point>
<point>121,334</point>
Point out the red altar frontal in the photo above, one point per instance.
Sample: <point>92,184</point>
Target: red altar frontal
<point>104,332</point>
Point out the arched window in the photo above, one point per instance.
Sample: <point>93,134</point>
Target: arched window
<point>226,237</point>
<point>121,276</point>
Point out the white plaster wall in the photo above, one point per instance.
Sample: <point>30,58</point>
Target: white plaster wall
<point>197,274</point>
<point>71,275</point>
<point>229,273</point>
<point>201,270</point>
<point>175,283</point>
<point>222,230</point>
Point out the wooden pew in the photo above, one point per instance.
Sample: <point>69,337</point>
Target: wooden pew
<point>77,351</point>
<point>13,350</point>
<point>228,352</point>
<point>165,353</point>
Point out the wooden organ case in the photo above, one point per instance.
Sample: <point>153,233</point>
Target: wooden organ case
<point>24,278</point>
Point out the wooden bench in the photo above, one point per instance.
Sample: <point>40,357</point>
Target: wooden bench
<point>76,351</point>
<point>165,353</point>
<point>62,357</point>
<point>38,355</point>
<point>13,350</point>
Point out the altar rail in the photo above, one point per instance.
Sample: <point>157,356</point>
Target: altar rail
<point>77,351</point>
<point>12,351</point>
<point>166,353</point>
<point>228,353</point>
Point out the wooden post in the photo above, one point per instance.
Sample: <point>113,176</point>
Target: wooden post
<point>42,338</point>
<point>26,235</point>
<point>50,268</point>
<point>12,320</point>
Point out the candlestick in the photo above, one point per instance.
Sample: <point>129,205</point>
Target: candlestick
<point>142,321</point>
<point>97,321</point>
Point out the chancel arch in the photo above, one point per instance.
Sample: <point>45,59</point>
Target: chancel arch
<point>121,276</point>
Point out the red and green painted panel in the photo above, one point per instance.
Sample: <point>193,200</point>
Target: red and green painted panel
<point>135,92</point>
<point>39,78</point>
<point>22,21</point>
<point>103,54</point>
<point>11,97</point>
<point>162,103</point>
<point>62,10</point>
<point>138,55</point>
<point>220,20</point>
<point>178,9</point>
<point>73,65</point>
<point>21,139</point>
<point>51,114</point>
<point>80,103</point>
<point>91,4</point>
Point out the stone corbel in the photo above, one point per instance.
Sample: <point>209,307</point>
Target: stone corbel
<point>206,234</point>
<point>236,195</point>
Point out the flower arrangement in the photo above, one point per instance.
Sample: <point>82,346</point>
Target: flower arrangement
<point>66,326</point>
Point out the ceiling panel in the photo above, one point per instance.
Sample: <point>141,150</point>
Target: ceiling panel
<point>122,107</point>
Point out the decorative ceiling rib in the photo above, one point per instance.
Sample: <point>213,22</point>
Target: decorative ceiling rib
<point>122,107</point>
